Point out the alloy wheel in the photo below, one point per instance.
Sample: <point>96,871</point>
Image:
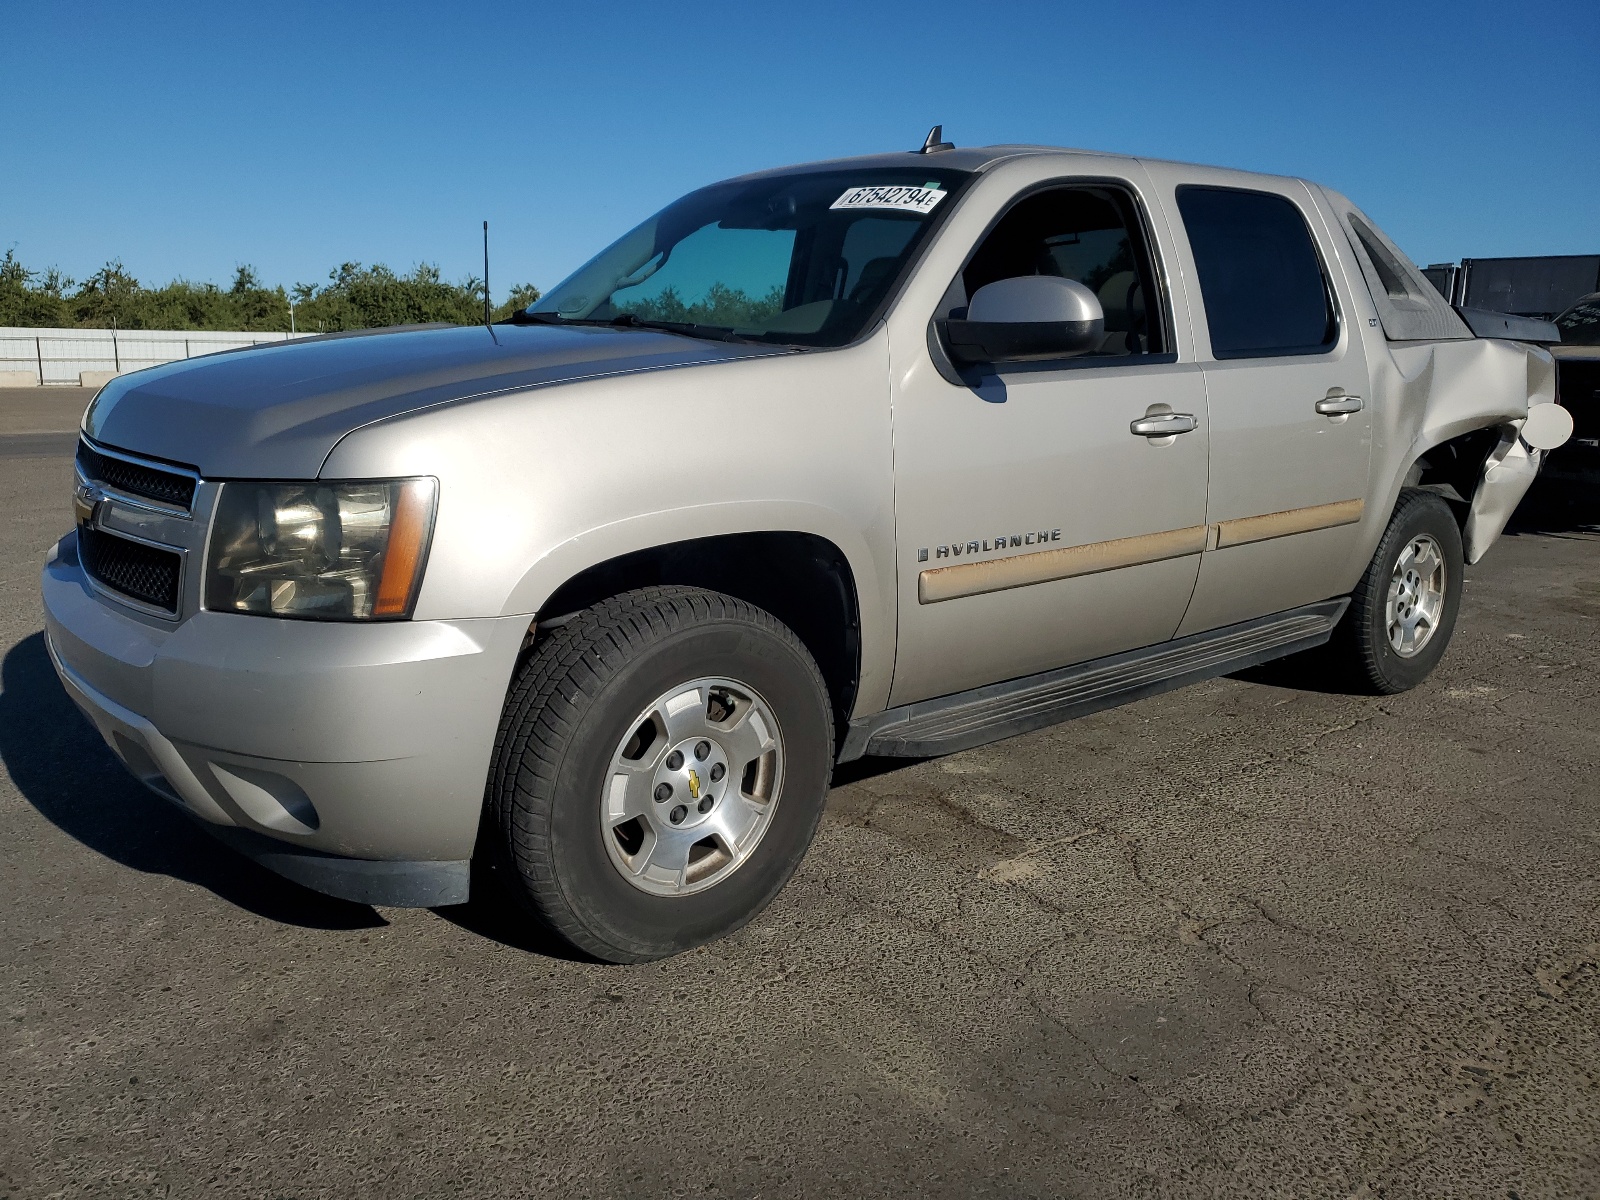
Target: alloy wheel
<point>692,787</point>
<point>1416,596</point>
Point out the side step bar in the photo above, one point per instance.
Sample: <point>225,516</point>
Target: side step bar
<point>987,714</point>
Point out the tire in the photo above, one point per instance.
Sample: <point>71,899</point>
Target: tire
<point>604,699</point>
<point>1364,646</point>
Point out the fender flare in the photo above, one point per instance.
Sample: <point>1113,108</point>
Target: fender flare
<point>873,574</point>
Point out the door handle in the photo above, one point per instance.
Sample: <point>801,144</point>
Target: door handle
<point>1333,406</point>
<point>1164,424</point>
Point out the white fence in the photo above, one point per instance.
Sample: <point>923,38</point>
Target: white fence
<point>64,356</point>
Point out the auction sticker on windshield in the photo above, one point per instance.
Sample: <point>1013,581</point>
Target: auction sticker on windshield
<point>899,198</point>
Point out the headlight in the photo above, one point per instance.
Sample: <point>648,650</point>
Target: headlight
<point>338,551</point>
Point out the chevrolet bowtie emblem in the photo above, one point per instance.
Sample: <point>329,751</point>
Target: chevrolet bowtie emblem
<point>85,500</point>
<point>694,786</point>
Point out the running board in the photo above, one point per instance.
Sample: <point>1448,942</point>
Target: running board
<point>987,714</point>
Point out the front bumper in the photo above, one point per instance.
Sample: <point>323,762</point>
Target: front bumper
<point>349,757</point>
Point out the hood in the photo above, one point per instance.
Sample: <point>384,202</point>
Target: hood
<point>276,411</point>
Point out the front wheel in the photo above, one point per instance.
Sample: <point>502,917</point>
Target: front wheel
<point>1403,611</point>
<point>660,770</point>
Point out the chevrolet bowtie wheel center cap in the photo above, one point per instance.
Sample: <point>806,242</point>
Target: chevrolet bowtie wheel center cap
<point>692,787</point>
<point>689,780</point>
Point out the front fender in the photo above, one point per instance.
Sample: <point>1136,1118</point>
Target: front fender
<point>646,531</point>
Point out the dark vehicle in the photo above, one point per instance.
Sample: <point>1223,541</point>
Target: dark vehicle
<point>1580,324</point>
<point>1578,390</point>
<point>1539,288</point>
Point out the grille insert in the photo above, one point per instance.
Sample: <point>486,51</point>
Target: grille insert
<point>136,479</point>
<point>132,568</point>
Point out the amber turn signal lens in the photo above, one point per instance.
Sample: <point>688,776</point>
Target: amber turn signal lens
<point>408,539</point>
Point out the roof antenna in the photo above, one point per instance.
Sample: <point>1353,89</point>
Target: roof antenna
<point>487,323</point>
<point>936,142</point>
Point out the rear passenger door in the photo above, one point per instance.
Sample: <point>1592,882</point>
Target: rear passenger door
<point>1286,384</point>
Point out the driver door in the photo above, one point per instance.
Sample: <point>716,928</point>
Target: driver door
<point>1035,528</point>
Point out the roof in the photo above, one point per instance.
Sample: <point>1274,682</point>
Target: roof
<point>978,158</point>
<point>961,158</point>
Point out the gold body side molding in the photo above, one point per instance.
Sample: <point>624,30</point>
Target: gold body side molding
<point>1021,570</point>
<point>1282,524</point>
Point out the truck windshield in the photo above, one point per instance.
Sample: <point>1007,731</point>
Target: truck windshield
<point>1580,324</point>
<point>806,258</point>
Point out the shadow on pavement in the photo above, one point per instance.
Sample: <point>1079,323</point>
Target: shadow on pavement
<point>1556,506</point>
<point>38,445</point>
<point>870,767</point>
<point>495,912</point>
<point>1309,671</point>
<point>63,769</point>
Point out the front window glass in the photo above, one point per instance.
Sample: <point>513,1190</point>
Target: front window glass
<point>1090,235</point>
<point>805,258</point>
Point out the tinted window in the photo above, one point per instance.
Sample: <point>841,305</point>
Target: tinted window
<point>1086,234</point>
<point>1260,278</point>
<point>804,258</point>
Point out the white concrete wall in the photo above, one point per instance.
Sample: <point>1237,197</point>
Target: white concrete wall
<point>65,356</point>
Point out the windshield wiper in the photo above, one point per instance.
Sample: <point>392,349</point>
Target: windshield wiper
<point>628,320</point>
<point>709,333</point>
<point>622,321</point>
<point>523,317</point>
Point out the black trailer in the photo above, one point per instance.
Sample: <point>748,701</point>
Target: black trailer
<point>1539,287</point>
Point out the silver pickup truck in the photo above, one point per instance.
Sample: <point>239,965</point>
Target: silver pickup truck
<point>892,455</point>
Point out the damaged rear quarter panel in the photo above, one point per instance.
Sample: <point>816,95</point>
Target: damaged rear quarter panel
<point>1427,393</point>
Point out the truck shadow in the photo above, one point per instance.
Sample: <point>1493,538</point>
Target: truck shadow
<point>1554,507</point>
<point>64,770</point>
<point>493,914</point>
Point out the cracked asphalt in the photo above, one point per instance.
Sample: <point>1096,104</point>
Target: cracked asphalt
<point>1247,939</point>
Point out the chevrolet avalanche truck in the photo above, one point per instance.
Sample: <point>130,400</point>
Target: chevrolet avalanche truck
<point>893,455</point>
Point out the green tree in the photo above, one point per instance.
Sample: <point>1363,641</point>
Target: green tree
<point>524,295</point>
<point>108,299</point>
<point>355,297</point>
<point>32,298</point>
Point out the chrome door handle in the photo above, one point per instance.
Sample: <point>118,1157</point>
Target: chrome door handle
<point>1165,424</point>
<point>1333,406</point>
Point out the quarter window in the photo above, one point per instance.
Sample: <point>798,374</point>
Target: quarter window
<point>1260,277</point>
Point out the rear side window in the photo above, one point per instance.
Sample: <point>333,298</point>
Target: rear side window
<point>1260,277</point>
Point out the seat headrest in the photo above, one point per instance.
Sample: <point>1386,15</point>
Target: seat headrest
<point>1115,294</point>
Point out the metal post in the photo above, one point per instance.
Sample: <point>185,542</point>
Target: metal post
<point>186,353</point>
<point>116,355</point>
<point>38,353</point>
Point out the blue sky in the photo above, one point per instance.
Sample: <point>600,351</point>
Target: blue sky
<point>186,139</point>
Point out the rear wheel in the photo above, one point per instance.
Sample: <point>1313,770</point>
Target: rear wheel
<point>660,770</point>
<point>1403,611</point>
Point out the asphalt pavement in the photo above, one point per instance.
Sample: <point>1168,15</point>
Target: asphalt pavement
<point>1248,939</point>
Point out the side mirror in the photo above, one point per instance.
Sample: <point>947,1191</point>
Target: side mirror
<point>1028,318</point>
